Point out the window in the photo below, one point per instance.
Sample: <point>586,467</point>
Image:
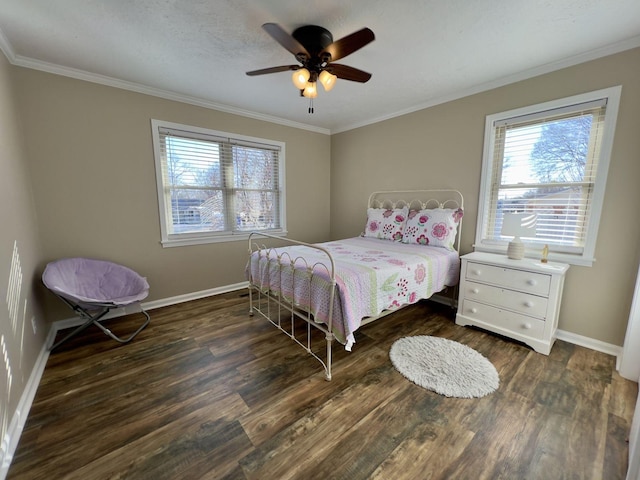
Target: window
<point>216,187</point>
<point>552,160</point>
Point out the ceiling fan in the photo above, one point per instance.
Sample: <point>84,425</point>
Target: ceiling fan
<point>315,50</point>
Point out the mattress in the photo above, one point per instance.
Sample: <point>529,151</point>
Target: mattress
<point>371,276</point>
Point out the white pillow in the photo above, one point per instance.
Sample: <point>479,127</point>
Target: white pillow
<point>435,227</point>
<point>386,223</point>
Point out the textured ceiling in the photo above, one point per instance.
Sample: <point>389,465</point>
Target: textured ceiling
<point>425,52</point>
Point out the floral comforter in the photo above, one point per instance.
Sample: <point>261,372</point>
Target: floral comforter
<point>371,275</point>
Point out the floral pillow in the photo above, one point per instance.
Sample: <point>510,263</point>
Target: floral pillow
<point>435,227</point>
<point>386,223</point>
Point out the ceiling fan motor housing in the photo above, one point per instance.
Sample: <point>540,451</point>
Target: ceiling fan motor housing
<point>314,38</point>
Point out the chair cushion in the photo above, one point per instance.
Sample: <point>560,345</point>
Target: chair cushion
<point>86,280</point>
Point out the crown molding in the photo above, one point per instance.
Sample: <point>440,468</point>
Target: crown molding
<point>612,49</point>
<point>21,61</point>
<point>26,62</point>
<point>6,48</point>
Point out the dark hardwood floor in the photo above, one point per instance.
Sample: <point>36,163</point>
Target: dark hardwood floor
<point>208,392</point>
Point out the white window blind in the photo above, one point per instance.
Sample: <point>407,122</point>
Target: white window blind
<point>550,161</point>
<point>211,185</point>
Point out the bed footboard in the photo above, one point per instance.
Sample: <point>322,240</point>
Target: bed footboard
<point>280,290</point>
<point>295,285</point>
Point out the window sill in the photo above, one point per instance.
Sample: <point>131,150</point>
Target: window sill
<point>579,260</point>
<point>202,240</point>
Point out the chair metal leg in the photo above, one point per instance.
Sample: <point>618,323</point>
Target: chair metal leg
<point>90,319</point>
<point>130,337</point>
<point>95,319</point>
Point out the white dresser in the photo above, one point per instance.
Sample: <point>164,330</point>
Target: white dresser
<point>519,299</point>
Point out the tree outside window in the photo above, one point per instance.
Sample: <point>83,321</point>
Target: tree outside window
<point>551,160</point>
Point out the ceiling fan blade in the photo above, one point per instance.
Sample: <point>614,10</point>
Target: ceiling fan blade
<point>348,73</point>
<point>349,44</point>
<point>285,39</point>
<point>264,71</point>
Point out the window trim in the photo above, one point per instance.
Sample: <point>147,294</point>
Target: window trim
<point>200,238</point>
<point>587,257</point>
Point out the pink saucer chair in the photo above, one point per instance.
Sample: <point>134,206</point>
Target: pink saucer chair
<point>91,288</point>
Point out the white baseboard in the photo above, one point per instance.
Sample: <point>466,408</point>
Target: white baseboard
<point>13,433</point>
<point>163,302</point>
<point>194,296</point>
<point>10,442</point>
<point>563,335</point>
<point>12,436</point>
<point>591,343</point>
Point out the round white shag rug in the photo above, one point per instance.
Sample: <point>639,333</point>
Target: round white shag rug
<point>444,366</point>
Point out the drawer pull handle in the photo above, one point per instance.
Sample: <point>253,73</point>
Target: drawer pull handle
<point>528,304</point>
<point>532,282</point>
<point>474,310</point>
<point>477,272</point>
<point>475,290</point>
<point>527,326</point>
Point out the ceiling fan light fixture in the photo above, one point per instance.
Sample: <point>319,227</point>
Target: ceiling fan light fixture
<point>310,90</point>
<point>300,78</point>
<point>328,80</point>
<point>314,49</point>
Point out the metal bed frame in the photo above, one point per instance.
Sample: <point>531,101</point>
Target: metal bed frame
<point>283,312</point>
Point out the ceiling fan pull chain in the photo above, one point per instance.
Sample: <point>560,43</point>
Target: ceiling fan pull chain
<point>311,105</point>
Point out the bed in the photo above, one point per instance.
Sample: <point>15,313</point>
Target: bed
<point>408,251</point>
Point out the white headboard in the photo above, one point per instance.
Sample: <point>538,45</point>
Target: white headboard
<point>418,200</point>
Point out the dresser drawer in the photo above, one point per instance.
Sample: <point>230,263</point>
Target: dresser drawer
<point>524,303</point>
<point>528,282</point>
<point>504,319</point>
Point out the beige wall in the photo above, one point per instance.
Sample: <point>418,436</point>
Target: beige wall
<point>19,344</point>
<point>78,179</point>
<point>442,147</point>
<point>91,160</point>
